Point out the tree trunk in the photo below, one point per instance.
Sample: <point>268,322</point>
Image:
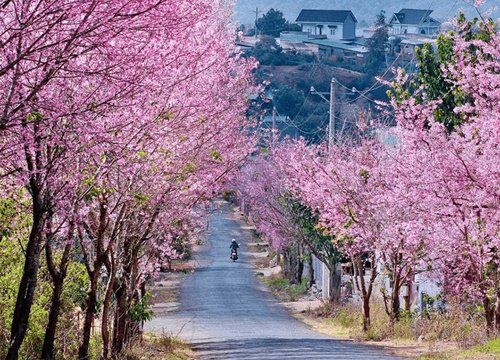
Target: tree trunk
<point>334,285</point>
<point>497,314</point>
<point>300,270</point>
<point>283,260</point>
<point>366,314</point>
<point>94,273</point>
<point>407,298</point>
<point>110,288</point>
<point>293,265</point>
<point>50,330</point>
<point>135,295</point>
<point>121,294</point>
<point>395,303</point>
<point>28,281</point>
<point>121,319</point>
<point>489,314</point>
<point>364,290</point>
<point>91,304</point>
<point>58,277</point>
<point>311,270</point>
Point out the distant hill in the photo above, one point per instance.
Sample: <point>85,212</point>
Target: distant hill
<point>364,10</point>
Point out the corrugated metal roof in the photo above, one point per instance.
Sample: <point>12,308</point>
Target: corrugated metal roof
<point>324,16</point>
<point>294,37</point>
<point>338,45</point>
<point>417,42</point>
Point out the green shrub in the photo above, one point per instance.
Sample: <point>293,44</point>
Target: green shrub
<point>14,230</point>
<point>346,317</point>
<point>277,283</point>
<point>141,310</point>
<point>298,289</point>
<point>95,348</point>
<point>403,329</point>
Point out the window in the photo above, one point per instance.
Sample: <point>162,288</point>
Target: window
<point>332,31</point>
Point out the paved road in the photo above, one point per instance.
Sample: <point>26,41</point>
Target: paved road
<point>225,313</point>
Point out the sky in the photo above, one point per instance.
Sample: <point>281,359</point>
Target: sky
<point>363,9</point>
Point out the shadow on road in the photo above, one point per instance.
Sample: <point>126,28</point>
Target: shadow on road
<point>263,349</point>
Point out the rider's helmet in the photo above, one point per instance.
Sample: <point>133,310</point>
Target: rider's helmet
<point>234,240</point>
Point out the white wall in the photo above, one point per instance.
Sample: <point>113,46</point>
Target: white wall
<point>398,29</point>
<point>314,30</point>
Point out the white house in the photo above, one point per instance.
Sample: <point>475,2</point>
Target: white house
<point>332,24</point>
<point>413,21</point>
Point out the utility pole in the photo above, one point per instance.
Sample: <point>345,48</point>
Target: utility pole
<point>256,18</point>
<point>331,123</point>
<point>331,126</point>
<point>274,122</point>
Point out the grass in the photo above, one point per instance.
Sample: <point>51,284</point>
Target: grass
<point>326,326</point>
<point>488,351</point>
<point>451,335</point>
<point>283,290</point>
<point>277,283</point>
<point>490,347</point>
<point>160,347</point>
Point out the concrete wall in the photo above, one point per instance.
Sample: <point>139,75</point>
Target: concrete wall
<point>421,287</point>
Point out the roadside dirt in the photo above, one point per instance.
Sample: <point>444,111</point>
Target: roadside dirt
<point>165,289</point>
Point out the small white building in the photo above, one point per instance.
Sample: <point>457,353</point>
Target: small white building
<point>332,24</point>
<point>413,21</point>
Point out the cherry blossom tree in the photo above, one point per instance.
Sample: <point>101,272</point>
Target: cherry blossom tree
<point>100,98</point>
<point>427,202</point>
<point>455,175</point>
<point>340,184</point>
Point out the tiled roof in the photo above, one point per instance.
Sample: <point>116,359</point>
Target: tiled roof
<point>412,16</point>
<point>325,16</point>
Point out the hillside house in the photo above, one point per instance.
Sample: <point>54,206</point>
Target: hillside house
<point>413,21</point>
<point>332,24</point>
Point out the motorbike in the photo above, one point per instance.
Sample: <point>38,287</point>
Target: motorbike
<point>234,255</point>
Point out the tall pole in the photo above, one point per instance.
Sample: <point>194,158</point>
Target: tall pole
<point>256,18</point>
<point>274,122</point>
<point>331,125</point>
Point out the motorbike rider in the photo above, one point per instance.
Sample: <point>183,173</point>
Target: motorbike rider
<point>234,246</point>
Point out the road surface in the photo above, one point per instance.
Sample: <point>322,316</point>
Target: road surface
<point>226,314</point>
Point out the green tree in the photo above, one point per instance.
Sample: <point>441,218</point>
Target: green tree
<point>288,101</point>
<point>268,52</point>
<point>293,27</point>
<point>318,242</point>
<point>272,23</point>
<point>375,58</point>
<point>266,45</point>
<point>437,84</point>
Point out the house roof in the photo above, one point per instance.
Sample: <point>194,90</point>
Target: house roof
<point>412,16</point>
<point>325,16</point>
